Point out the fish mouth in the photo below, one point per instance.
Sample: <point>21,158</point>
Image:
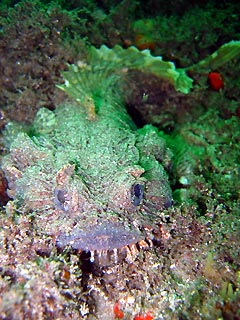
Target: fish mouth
<point>103,237</point>
<point>102,245</point>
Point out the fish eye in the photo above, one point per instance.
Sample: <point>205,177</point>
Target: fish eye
<point>60,198</point>
<point>137,194</point>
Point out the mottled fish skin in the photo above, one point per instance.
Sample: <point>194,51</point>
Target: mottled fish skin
<point>86,165</point>
<point>79,173</point>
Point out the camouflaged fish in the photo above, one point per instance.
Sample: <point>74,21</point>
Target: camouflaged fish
<point>88,176</point>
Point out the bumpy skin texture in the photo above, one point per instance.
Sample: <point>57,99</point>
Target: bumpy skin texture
<point>76,174</point>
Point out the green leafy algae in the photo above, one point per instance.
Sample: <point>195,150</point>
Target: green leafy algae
<point>224,54</point>
<point>106,66</point>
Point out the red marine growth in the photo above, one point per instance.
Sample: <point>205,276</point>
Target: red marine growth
<point>147,316</point>
<point>215,81</point>
<point>118,313</point>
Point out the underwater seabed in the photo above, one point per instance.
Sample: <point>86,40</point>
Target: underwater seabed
<point>120,192</point>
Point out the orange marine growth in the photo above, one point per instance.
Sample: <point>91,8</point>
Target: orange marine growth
<point>147,316</point>
<point>118,313</point>
<point>143,42</point>
<point>139,317</point>
<point>215,81</point>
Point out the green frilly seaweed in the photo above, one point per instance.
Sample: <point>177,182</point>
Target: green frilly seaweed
<point>106,66</point>
<point>97,77</point>
<point>224,54</point>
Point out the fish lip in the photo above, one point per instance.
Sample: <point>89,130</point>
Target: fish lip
<point>99,237</point>
<point>101,245</point>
